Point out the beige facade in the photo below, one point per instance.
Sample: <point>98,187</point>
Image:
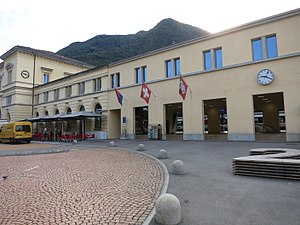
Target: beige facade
<point>24,68</point>
<point>224,98</point>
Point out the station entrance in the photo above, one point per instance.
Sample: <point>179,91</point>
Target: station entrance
<point>269,117</point>
<point>141,122</point>
<point>174,121</point>
<point>215,119</point>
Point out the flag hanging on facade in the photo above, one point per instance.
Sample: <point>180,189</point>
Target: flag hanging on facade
<point>145,93</point>
<point>183,87</point>
<point>119,96</point>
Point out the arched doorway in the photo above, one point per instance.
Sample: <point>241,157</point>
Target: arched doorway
<point>8,116</point>
<point>56,112</point>
<point>98,110</point>
<point>69,111</point>
<point>82,108</point>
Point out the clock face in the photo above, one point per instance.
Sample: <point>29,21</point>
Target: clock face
<point>265,77</point>
<point>25,74</point>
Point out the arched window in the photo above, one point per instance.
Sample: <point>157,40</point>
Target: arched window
<point>69,111</point>
<point>8,116</point>
<point>46,113</point>
<point>82,109</point>
<point>56,111</point>
<point>98,110</point>
<point>37,114</point>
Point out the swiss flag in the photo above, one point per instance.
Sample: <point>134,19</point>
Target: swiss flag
<point>183,87</point>
<point>145,93</point>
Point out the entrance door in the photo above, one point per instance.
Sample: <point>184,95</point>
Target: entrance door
<point>174,121</point>
<point>269,116</point>
<point>115,124</point>
<point>215,119</point>
<point>141,122</point>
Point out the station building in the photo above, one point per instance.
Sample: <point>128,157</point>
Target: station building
<point>243,84</point>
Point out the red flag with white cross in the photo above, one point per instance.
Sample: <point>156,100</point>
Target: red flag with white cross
<point>183,87</point>
<point>145,93</point>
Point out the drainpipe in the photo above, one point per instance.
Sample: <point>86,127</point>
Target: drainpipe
<point>33,85</point>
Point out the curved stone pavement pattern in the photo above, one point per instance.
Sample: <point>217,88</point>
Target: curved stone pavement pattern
<point>111,187</point>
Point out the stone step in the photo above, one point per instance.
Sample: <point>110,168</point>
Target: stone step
<point>216,137</point>
<point>271,137</point>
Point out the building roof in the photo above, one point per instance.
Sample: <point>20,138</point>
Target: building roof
<point>269,19</point>
<point>46,54</point>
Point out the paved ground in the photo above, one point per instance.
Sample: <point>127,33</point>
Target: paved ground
<point>106,187</point>
<point>209,193</point>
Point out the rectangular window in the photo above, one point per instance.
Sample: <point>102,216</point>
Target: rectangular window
<point>271,46</point>
<point>46,78</point>
<point>56,94</point>
<point>140,75</point>
<point>9,76</point>
<point>207,60</point>
<point>115,80</point>
<point>81,88</point>
<point>9,100</point>
<point>264,47</point>
<point>0,84</point>
<point>169,68</point>
<point>213,59</point>
<point>144,72</point>
<point>173,67</point>
<point>177,66</point>
<point>46,96</point>
<point>97,84</point>
<point>69,91</point>
<point>218,58</point>
<point>257,49</point>
<point>37,99</point>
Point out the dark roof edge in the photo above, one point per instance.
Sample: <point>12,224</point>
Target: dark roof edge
<point>46,54</point>
<point>210,36</point>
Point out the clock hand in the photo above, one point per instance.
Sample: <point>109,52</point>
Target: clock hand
<point>266,77</point>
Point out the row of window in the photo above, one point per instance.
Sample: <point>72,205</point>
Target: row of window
<point>262,48</point>
<point>68,91</point>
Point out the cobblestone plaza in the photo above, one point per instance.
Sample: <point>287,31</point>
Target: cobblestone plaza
<point>78,187</point>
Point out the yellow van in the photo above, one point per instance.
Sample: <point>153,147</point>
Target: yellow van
<point>16,132</point>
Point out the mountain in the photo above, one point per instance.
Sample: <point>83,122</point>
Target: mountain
<point>104,49</point>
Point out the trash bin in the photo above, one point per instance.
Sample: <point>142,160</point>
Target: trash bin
<point>159,132</point>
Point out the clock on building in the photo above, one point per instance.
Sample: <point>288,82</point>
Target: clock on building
<point>265,77</point>
<point>25,74</point>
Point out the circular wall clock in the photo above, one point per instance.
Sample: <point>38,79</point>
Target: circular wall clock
<point>265,77</point>
<point>25,74</point>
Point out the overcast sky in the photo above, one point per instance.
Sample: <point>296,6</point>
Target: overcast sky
<point>54,24</point>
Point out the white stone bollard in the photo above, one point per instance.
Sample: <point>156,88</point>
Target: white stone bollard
<point>141,147</point>
<point>162,154</point>
<point>112,144</point>
<point>177,167</point>
<point>168,210</point>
